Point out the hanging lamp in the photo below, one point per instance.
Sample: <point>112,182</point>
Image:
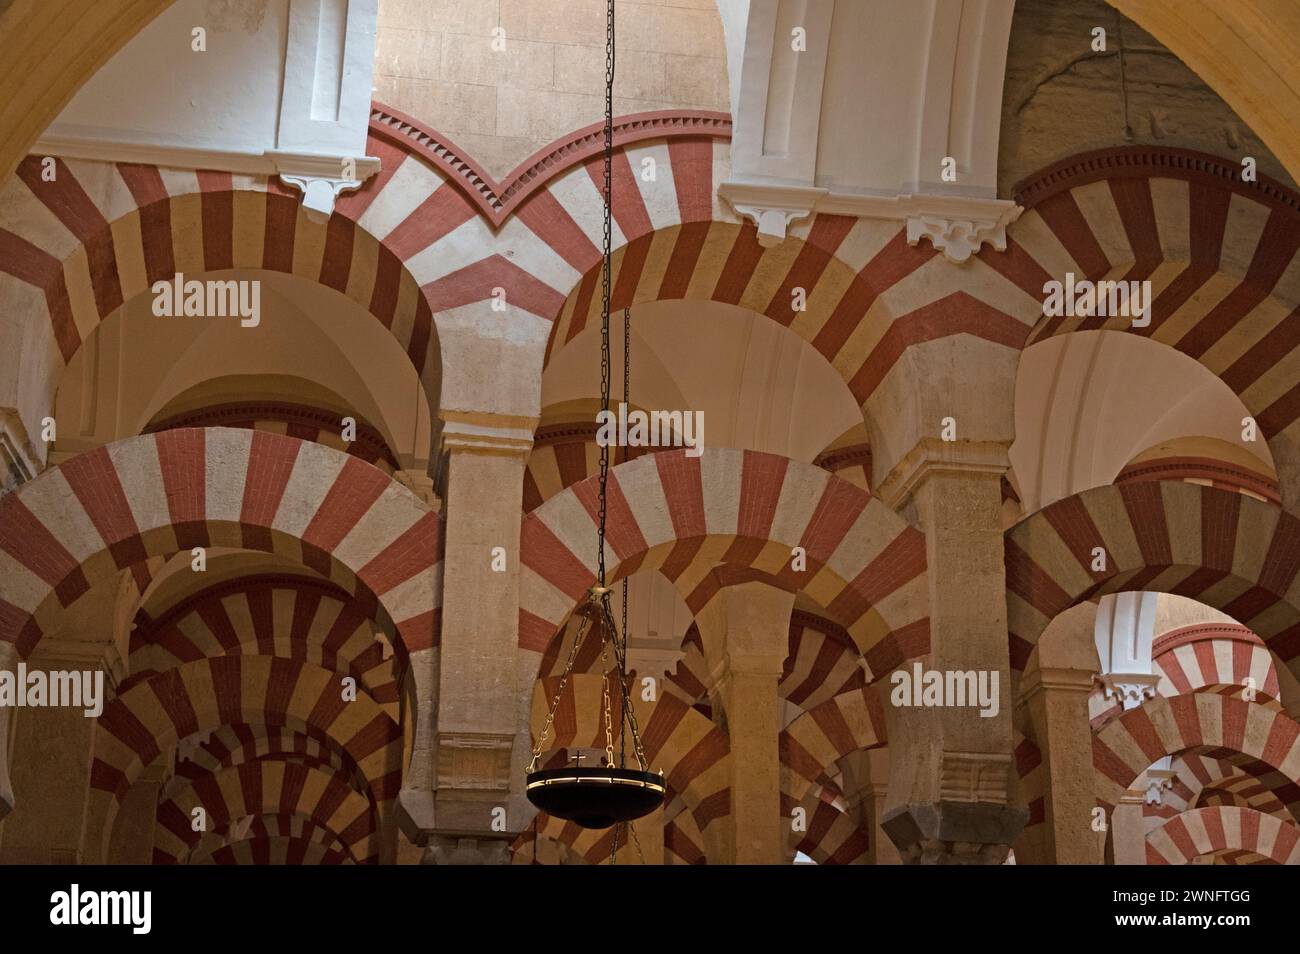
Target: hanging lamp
<point>610,794</point>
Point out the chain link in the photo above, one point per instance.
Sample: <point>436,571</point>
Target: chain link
<point>559,692</point>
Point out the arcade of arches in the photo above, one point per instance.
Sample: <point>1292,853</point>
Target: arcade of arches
<point>326,554</point>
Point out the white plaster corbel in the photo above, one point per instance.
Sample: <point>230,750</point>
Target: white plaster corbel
<point>959,226</point>
<point>322,179</point>
<point>1158,781</point>
<point>772,208</point>
<point>1130,689</point>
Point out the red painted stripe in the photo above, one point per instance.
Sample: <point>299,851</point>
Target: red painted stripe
<point>280,233</point>
<point>417,549</point>
<point>182,456</point>
<point>551,222</point>
<point>353,205</point>
<point>824,239</point>
<point>1031,583</point>
<point>683,487</point>
<point>1064,217</point>
<point>541,551</point>
<point>1146,511</point>
<point>217,203</point>
<point>890,265</point>
<point>687,247</point>
<point>629,209</point>
<point>692,160</point>
<point>271,460</point>
<point>742,262</point>
<point>444,210</point>
<point>27,540</point>
<point>622,532</point>
<point>73,207</point>
<point>388,287</point>
<point>349,499</point>
<point>94,480</point>
<point>475,283</point>
<point>336,261</point>
<point>837,510</point>
<point>900,562</point>
<point>958,313</point>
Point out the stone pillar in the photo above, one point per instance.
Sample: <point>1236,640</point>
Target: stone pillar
<point>52,748</point>
<point>131,842</point>
<point>746,635</point>
<point>477,702</point>
<point>1128,831</point>
<point>874,796</point>
<point>1058,710</point>
<point>950,774</point>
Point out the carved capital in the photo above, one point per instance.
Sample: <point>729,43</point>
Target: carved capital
<point>1130,689</point>
<point>959,226</point>
<point>461,850</point>
<point>772,208</point>
<point>322,179</point>
<point>1157,781</point>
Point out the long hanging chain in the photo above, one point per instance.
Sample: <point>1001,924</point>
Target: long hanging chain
<point>606,286</point>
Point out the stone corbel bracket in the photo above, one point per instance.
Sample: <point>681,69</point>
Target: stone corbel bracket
<point>322,178</point>
<point>956,225</point>
<point>1129,689</point>
<point>959,226</point>
<point>771,208</point>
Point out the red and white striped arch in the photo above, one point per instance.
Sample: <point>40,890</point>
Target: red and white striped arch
<point>740,509</point>
<point>258,788</point>
<point>1216,657</point>
<point>140,725</point>
<point>231,745</point>
<point>1234,553</point>
<point>834,836</point>
<point>1233,780</point>
<point>115,506</point>
<point>272,850</point>
<point>815,741</point>
<point>1221,255</point>
<point>288,617</point>
<point>1204,724</point>
<point>1205,831</point>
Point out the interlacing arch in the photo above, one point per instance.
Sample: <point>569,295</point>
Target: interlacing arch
<point>257,788</point>
<point>746,510</point>
<point>1220,254</point>
<point>1234,553</point>
<point>141,725</point>
<point>1204,724</point>
<point>1204,831</point>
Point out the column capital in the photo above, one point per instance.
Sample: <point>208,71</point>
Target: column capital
<point>933,455</point>
<point>1057,679</point>
<point>484,432</point>
<point>1130,689</point>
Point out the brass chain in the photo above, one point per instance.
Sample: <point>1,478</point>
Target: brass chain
<point>559,692</point>
<point>605,705</point>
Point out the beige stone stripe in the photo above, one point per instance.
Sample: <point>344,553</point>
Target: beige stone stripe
<point>128,248</point>
<point>248,238</point>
